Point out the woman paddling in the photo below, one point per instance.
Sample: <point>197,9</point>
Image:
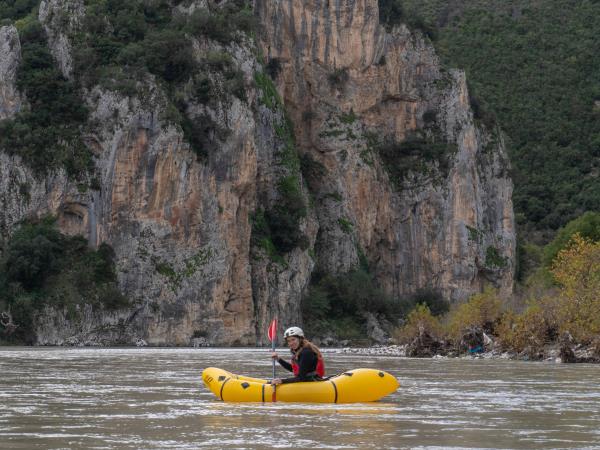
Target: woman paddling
<point>307,361</point>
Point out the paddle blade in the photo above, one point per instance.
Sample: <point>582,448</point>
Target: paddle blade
<point>272,333</point>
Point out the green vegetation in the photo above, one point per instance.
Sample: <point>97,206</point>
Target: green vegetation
<point>47,135</point>
<point>192,265</point>
<point>571,308</point>
<point>339,77</point>
<point>348,118</point>
<point>345,225</point>
<point>224,24</point>
<point>270,97</point>
<point>587,226</point>
<point>419,320</point>
<point>415,155</point>
<point>433,299</point>
<point>148,36</point>
<point>42,267</point>
<point>395,12</point>
<point>118,44</point>
<point>481,310</point>
<point>277,229</point>
<point>336,304</point>
<point>13,10</point>
<point>549,106</point>
<point>391,12</point>
<point>535,261</point>
<point>493,259</point>
<point>474,234</point>
<point>273,68</point>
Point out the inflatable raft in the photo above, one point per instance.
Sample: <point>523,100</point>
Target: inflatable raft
<point>354,386</point>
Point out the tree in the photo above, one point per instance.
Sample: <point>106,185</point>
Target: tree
<point>420,321</point>
<point>587,226</point>
<point>577,271</point>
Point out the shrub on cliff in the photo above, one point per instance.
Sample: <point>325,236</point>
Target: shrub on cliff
<point>47,133</point>
<point>42,267</point>
<point>391,12</point>
<point>415,155</point>
<point>339,302</point>
<point>223,24</point>
<point>395,12</point>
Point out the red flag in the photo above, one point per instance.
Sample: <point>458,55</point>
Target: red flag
<point>272,330</point>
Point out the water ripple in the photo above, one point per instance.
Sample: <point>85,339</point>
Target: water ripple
<point>154,399</point>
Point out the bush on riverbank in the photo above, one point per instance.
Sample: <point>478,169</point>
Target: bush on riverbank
<point>569,315</point>
<point>420,321</point>
<point>481,310</point>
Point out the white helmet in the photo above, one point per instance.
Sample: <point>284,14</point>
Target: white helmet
<point>293,331</point>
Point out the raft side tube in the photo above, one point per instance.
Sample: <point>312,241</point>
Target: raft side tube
<point>364,385</point>
<point>354,386</point>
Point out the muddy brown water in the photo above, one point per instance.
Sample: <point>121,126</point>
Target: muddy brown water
<point>55,398</point>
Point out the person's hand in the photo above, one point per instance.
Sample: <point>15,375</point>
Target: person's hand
<point>276,381</point>
<point>274,355</point>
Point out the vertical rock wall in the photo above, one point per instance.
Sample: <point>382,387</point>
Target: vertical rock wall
<point>181,227</point>
<point>348,81</point>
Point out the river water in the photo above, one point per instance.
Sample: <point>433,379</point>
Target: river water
<point>155,399</point>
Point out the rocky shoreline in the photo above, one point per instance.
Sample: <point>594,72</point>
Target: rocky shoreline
<point>553,353</point>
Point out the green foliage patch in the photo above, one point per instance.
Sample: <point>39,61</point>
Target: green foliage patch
<point>47,134</point>
<point>493,258</point>
<point>549,106</point>
<point>13,10</point>
<point>120,42</point>
<point>587,226</point>
<point>339,77</point>
<point>277,229</point>
<point>42,267</point>
<point>337,303</point>
<point>395,12</point>
<point>415,155</point>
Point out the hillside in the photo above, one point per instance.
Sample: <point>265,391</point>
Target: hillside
<point>535,67</point>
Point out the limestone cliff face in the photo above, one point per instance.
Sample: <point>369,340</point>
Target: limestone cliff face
<point>181,227</point>
<point>346,79</point>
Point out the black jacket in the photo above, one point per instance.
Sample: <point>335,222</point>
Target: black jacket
<point>307,364</point>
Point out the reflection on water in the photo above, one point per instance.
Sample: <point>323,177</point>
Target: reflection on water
<point>155,399</point>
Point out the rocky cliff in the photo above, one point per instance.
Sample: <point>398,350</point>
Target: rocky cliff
<point>182,227</point>
<point>347,80</point>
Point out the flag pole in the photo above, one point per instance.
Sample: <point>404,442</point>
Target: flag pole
<point>273,349</point>
<point>272,334</point>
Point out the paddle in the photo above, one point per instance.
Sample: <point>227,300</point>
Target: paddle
<point>272,334</point>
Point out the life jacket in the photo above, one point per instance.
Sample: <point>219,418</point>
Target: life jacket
<point>320,371</point>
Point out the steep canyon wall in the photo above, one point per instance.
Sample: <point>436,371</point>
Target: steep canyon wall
<point>181,227</point>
